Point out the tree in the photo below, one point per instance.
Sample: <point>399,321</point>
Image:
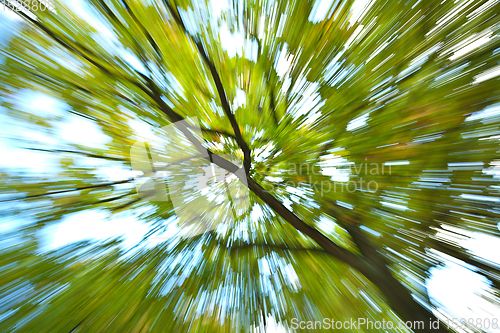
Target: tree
<point>394,100</point>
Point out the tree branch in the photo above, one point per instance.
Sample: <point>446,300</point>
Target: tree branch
<point>271,246</point>
<point>65,44</point>
<point>332,248</point>
<point>155,93</point>
<point>484,268</point>
<point>78,152</point>
<point>273,105</point>
<point>69,190</point>
<point>174,117</point>
<point>340,253</point>
<point>144,31</point>
<point>220,132</point>
<point>220,89</point>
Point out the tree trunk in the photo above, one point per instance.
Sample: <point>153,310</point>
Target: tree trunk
<point>401,301</point>
<point>397,295</point>
<point>371,264</point>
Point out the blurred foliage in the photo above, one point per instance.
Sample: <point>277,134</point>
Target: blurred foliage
<point>411,88</point>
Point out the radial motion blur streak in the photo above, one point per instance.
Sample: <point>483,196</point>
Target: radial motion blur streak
<point>249,166</point>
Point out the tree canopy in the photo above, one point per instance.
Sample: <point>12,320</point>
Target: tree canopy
<point>357,141</point>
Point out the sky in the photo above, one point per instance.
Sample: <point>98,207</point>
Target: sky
<point>454,287</point>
